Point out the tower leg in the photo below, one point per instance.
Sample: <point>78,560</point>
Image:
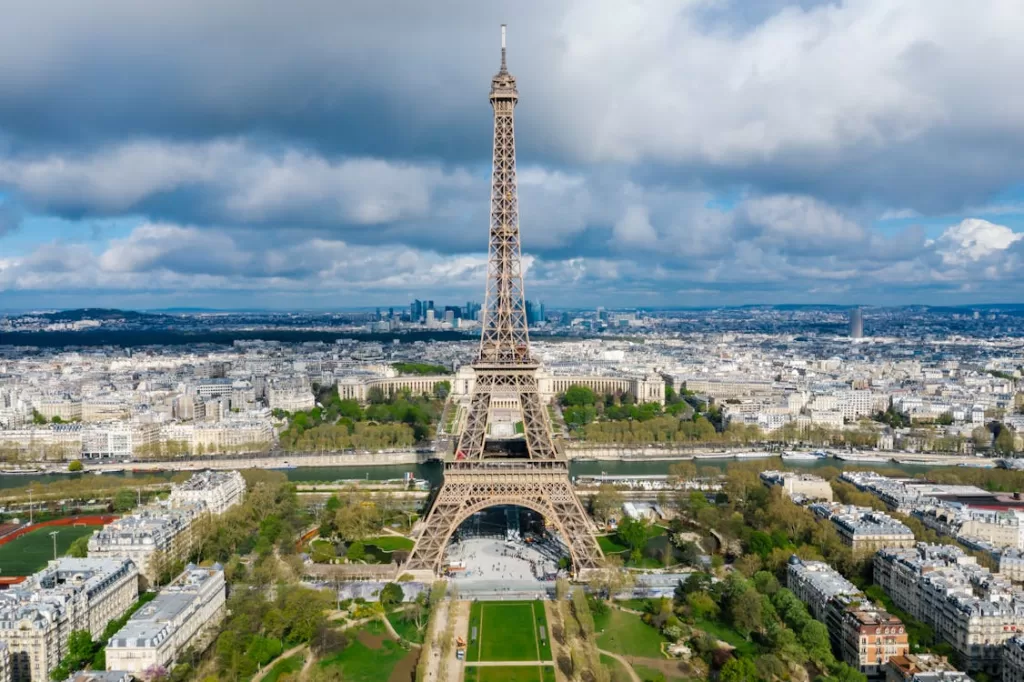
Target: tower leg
<point>547,492</point>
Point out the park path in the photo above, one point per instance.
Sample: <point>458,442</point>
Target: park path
<point>625,664</point>
<point>270,666</point>
<point>455,666</point>
<point>432,641</point>
<point>502,664</point>
<point>552,617</point>
<point>310,659</point>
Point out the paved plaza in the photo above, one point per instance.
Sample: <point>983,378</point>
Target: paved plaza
<point>493,560</point>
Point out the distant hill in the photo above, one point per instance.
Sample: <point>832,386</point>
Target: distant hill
<point>94,314</point>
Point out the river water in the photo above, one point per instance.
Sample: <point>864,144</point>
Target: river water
<point>432,471</point>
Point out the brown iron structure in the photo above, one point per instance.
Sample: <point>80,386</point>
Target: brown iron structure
<point>485,471</point>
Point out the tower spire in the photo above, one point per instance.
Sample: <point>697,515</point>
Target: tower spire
<point>504,68</point>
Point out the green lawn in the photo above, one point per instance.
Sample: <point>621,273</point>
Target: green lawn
<point>30,552</point>
<point>619,672</point>
<point>406,629</point>
<point>510,673</point>
<point>507,631</point>
<point>610,544</point>
<point>646,673</point>
<point>624,633</point>
<point>390,543</point>
<point>292,664</point>
<point>726,634</point>
<point>635,604</point>
<point>369,657</point>
<point>540,624</point>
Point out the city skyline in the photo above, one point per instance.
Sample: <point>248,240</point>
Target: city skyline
<point>172,170</point>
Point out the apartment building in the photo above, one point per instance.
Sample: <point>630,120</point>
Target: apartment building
<point>870,636</point>
<point>158,632</point>
<point>5,662</point>
<point>922,668</point>
<point>865,530</point>
<point>1013,659</point>
<point>799,486</point>
<point>863,635</point>
<point>217,491</point>
<point>1011,564</point>
<point>38,616</point>
<point>153,537</point>
<point>972,609</point>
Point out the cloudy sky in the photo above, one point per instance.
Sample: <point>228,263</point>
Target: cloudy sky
<point>335,153</point>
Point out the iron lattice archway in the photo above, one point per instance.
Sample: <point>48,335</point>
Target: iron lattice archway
<point>460,497</point>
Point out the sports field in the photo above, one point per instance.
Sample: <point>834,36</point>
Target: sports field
<point>30,552</point>
<point>508,631</point>
<point>511,673</point>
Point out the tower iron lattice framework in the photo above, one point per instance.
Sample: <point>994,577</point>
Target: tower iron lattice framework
<point>485,471</point>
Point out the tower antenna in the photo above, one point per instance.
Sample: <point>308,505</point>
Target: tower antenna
<point>503,67</point>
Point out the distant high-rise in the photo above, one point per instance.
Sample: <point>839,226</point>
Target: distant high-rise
<point>542,314</point>
<point>856,324</point>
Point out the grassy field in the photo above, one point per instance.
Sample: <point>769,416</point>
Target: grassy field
<point>511,673</point>
<point>30,552</point>
<point>726,634</point>
<point>624,633</point>
<point>619,672</point>
<point>390,543</point>
<point>610,544</point>
<point>406,629</point>
<point>646,673</point>
<point>292,664</point>
<point>371,656</point>
<point>508,631</point>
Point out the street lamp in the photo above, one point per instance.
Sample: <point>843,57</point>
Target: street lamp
<point>53,534</point>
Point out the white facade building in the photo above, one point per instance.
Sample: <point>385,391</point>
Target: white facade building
<point>38,616</point>
<point>217,491</point>
<point>157,633</point>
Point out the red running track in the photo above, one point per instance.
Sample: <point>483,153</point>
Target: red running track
<point>90,520</point>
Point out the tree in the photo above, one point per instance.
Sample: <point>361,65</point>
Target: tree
<point>577,396</point>
<point>391,595</point>
<point>635,533</point>
<point>75,465</point>
<point>738,670</point>
<point>760,543</point>
<point>79,653</point>
<point>1004,441</point>
<point>815,639</point>
<point>982,437</point>
<point>124,500</point>
<point>606,502</point>
<point>747,612</point>
<point>356,552</point>
<point>442,389</point>
<point>695,582</point>
<point>79,548</point>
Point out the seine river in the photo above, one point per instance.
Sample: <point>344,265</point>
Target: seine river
<point>432,471</point>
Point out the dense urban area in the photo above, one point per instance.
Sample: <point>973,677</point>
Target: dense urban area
<point>827,495</point>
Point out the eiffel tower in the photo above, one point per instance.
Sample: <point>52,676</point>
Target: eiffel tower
<point>493,465</point>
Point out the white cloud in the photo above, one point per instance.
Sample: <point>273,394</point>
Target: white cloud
<point>634,228</point>
<point>973,240</point>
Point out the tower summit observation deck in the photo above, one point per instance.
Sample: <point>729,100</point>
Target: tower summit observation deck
<point>487,469</point>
